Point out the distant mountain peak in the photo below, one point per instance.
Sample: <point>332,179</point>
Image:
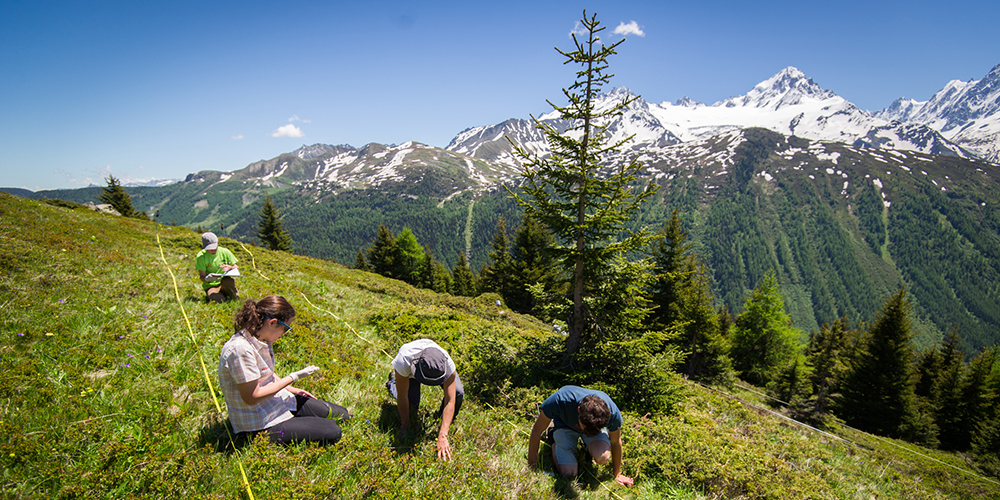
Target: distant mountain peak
<point>787,87</point>
<point>964,112</point>
<point>620,92</point>
<point>687,102</point>
<point>317,150</point>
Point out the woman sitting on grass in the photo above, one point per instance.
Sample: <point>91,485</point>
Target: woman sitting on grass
<point>257,399</point>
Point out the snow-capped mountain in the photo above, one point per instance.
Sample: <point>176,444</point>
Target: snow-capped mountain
<point>966,113</point>
<point>491,142</point>
<point>789,103</point>
<point>409,168</point>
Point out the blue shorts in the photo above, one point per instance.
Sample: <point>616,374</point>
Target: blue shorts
<point>565,440</point>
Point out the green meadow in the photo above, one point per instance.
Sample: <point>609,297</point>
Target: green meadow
<point>108,355</point>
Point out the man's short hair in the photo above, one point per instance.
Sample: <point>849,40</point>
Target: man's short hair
<point>594,415</point>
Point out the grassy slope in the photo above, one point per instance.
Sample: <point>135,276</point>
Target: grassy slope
<point>102,393</point>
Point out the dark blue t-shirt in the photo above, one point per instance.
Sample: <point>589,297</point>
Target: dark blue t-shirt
<point>562,405</point>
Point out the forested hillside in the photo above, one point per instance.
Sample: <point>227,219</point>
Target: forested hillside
<point>844,226</point>
<point>103,319</point>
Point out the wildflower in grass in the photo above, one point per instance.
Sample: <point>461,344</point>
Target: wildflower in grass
<point>20,334</point>
<point>62,301</point>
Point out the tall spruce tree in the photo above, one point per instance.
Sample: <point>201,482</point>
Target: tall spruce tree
<point>700,337</point>
<point>982,396</point>
<point>463,281</point>
<point>270,228</point>
<point>877,394</point>
<point>947,403</point>
<point>360,263</point>
<point>409,258</point>
<point>764,340</point>
<point>382,255</point>
<point>826,355</point>
<point>433,275</point>
<point>669,251</point>
<point>499,275</point>
<point>534,267</point>
<point>114,194</point>
<point>584,203</point>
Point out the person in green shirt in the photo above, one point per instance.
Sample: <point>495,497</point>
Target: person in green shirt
<point>213,259</point>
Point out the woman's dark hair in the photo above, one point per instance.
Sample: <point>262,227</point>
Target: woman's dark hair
<point>252,315</point>
<point>594,415</point>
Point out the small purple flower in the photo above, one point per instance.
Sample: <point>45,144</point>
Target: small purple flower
<point>159,350</point>
<point>129,355</point>
<point>147,356</point>
<point>62,301</point>
<point>121,337</point>
<point>20,334</point>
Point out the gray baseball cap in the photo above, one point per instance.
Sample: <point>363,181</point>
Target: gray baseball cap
<point>209,241</point>
<point>431,367</point>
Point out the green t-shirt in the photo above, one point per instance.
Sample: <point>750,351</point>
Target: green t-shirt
<point>212,263</point>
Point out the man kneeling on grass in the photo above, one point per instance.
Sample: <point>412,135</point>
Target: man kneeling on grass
<point>577,413</point>
<point>423,362</point>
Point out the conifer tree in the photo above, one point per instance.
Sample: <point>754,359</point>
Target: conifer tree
<point>499,275</point>
<point>585,205</point>
<point>533,265</point>
<point>927,374</point>
<point>270,228</point>
<point>360,263</point>
<point>409,257</point>
<point>982,397</point>
<point>947,401</point>
<point>764,339</point>
<point>669,251</point>
<point>114,194</point>
<point>705,347</point>
<point>877,393</point>
<point>792,384</point>
<point>382,255</point>
<point>433,275</point>
<point>826,355</point>
<point>463,281</point>
<point>426,272</point>
<point>977,401</point>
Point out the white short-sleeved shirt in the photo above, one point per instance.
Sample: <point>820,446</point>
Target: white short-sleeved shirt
<point>244,359</point>
<point>406,360</point>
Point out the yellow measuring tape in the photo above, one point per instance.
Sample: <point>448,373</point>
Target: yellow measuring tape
<point>204,369</point>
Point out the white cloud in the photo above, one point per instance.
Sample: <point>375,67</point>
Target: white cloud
<point>295,118</point>
<point>237,137</point>
<point>288,131</point>
<point>578,30</point>
<point>632,28</point>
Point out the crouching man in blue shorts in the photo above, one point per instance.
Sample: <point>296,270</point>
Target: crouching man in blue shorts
<point>577,413</point>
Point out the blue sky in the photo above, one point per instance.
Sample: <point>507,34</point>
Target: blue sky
<point>145,90</point>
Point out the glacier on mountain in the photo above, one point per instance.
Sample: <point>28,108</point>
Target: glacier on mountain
<point>789,103</point>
